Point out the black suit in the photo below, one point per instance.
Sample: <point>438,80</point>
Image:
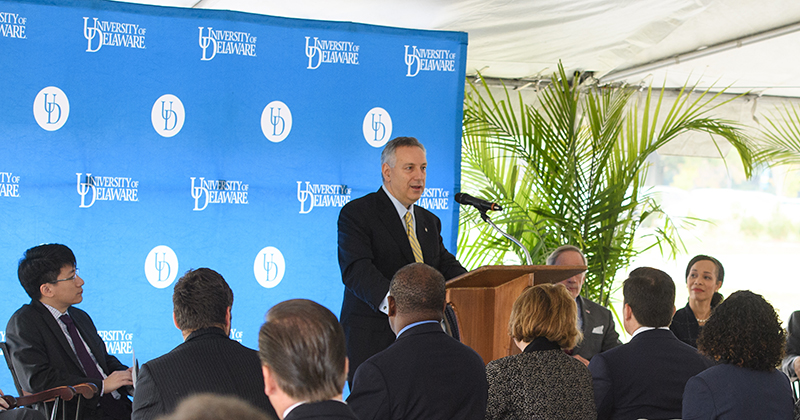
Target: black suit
<point>644,378</point>
<point>425,375</point>
<point>373,245</point>
<point>599,332</point>
<point>792,344</point>
<point>43,358</point>
<point>208,361</point>
<point>330,410</point>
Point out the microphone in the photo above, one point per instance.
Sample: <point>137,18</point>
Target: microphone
<point>481,205</point>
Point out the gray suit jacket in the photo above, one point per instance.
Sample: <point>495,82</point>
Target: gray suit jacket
<point>599,332</point>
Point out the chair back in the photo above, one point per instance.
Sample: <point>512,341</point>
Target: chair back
<point>7,355</point>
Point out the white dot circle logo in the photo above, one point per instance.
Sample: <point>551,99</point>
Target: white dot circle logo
<point>161,266</point>
<point>377,127</point>
<point>168,115</point>
<point>276,121</point>
<point>51,108</point>
<point>269,267</point>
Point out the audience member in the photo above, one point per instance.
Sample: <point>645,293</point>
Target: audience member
<point>208,361</point>
<point>595,322</point>
<point>425,374</point>
<point>379,234</point>
<point>704,276</point>
<point>215,407</point>
<point>791,363</point>
<point>304,362</point>
<point>645,377</point>
<point>745,337</point>
<point>52,343</point>
<point>542,382</point>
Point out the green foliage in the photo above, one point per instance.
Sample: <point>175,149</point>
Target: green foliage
<point>571,170</point>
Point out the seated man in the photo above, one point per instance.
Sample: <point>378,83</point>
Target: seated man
<point>645,377</point>
<point>304,361</point>
<point>425,374</point>
<point>594,321</point>
<point>208,360</point>
<point>53,343</point>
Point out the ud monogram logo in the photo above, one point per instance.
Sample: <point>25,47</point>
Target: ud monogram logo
<point>84,188</point>
<point>205,42</point>
<point>168,115</point>
<point>269,267</point>
<point>51,108</point>
<point>303,196</point>
<point>377,127</point>
<point>276,121</point>
<point>412,61</point>
<point>198,192</point>
<point>91,34</point>
<point>311,52</point>
<point>161,266</point>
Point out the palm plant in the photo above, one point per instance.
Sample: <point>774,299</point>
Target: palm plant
<point>780,139</point>
<point>572,170</point>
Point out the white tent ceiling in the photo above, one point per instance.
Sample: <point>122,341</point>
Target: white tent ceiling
<point>525,39</point>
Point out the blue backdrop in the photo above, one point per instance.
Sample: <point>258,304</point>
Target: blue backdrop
<point>153,140</point>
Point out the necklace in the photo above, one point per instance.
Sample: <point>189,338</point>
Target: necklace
<point>702,321</point>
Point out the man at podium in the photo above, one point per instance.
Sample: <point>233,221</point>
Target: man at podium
<point>380,233</point>
<point>595,321</point>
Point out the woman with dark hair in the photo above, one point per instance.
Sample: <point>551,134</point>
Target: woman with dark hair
<point>542,382</point>
<point>704,276</point>
<point>746,338</point>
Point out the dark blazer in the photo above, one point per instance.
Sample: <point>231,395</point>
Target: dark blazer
<point>208,361</point>
<point>645,377</point>
<point>425,375</point>
<point>43,358</point>
<point>541,383</point>
<point>331,410</point>
<point>373,245</point>
<point>792,344</point>
<point>685,327</point>
<point>728,392</point>
<point>599,331</point>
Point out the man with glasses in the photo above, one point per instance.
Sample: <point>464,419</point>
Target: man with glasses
<point>52,343</point>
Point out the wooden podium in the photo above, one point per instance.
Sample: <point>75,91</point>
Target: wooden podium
<point>482,300</point>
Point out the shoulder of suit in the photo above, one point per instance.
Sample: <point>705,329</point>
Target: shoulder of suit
<point>594,306</point>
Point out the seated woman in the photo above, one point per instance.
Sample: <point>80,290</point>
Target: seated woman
<point>704,276</point>
<point>543,381</point>
<point>746,338</point>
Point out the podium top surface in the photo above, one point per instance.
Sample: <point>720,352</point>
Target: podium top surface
<point>490,276</point>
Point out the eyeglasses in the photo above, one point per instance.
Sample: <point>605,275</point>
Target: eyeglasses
<point>68,279</point>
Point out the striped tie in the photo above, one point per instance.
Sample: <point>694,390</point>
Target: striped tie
<point>412,238</point>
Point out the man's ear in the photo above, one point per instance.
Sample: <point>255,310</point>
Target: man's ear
<point>46,290</point>
<point>385,171</point>
<point>627,312</point>
<point>392,306</point>
<point>175,320</point>
<point>270,386</point>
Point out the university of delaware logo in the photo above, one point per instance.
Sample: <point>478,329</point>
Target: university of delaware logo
<point>269,267</point>
<point>51,108</point>
<point>12,25</point>
<point>161,266</point>
<point>424,59</point>
<point>321,195</point>
<point>114,34</point>
<point>434,199</point>
<point>9,185</point>
<point>321,51</point>
<point>106,188</point>
<point>168,115</point>
<point>377,127</point>
<point>214,41</point>
<point>276,121</point>
<point>218,191</point>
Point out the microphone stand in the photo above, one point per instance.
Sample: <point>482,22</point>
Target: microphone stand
<point>486,219</point>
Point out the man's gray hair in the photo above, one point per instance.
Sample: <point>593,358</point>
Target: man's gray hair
<point>551,259</point>
<point>388,155</point>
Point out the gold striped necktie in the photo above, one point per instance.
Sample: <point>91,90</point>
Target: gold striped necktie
<point>412,238</point>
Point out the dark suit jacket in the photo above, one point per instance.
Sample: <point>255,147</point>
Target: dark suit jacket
<point>208,361</point>
<point>728,392</point>
<point>332,410</point>
<point>685,326</point>
<point>541,383</point>
<point>43,358</point>
<point>645,377</point>
<point>373,245</point>
<point>425,375</point>
<point>599,332</point>
<point>792,344</point>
